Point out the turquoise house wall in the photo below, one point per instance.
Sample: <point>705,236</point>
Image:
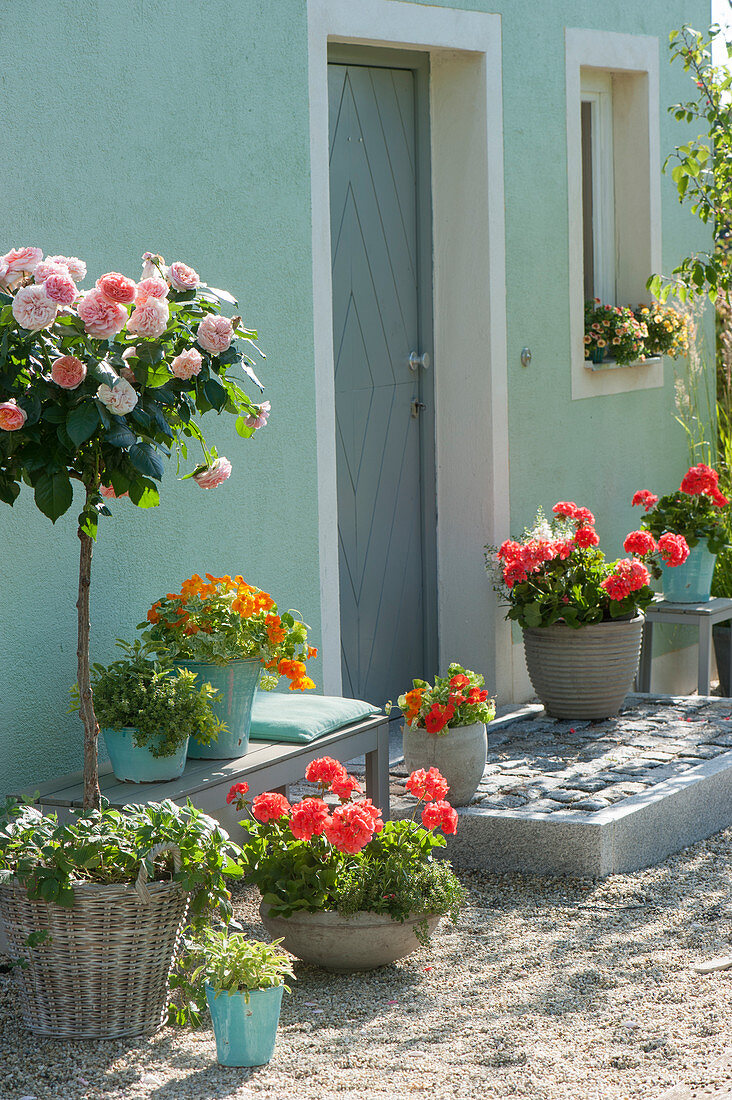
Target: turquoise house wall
<point>184,129</point>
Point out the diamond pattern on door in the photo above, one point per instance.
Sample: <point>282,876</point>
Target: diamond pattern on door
<point>375,327</point>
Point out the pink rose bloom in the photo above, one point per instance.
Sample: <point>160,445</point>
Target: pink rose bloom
<point>102,318</point>
<point>33,309</point>
<point>23,260</point>
<point>3,271</point>
<point>215,334</point>
<point>152,265</point>
<point>214,475</point>
<point>60,288</point>
<point>75,266</point>
<point>183,277</point>
<point>261,419</point>
<point>12,416</point>
<point>154,287</point>
<point>118,288</point>
<point>120,400</point>
<point>108,492</point>
<point>68,372</point>
<point>49,267</point>
<point>187,364</point>
<point>150,319</point>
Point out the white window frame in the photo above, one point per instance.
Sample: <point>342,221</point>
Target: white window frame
<point>597,91</point>
<point>632,62</point>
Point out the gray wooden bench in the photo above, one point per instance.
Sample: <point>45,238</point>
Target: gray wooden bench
<point>266,766</point>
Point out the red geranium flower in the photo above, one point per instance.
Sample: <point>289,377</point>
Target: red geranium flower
<point>674,549</point>
<point>440,815</point>
<point>646,498</point>
<point>324,770</point>
<point>640,542</point>
<point>586,536</point>
<point>309,818</point>
<point>345,787</point>
<point>270,805</point>
<point>430,785</point>
<point>237,791</point>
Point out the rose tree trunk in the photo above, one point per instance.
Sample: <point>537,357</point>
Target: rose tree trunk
<point>92,794</point>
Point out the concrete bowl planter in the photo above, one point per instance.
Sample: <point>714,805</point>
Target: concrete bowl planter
<point>584,672</point>
<point>342,944</point>
<point>458,754</point>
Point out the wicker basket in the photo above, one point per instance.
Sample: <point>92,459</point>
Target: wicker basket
<point>104,972</point>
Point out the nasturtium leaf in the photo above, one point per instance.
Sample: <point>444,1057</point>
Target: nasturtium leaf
<point>53,494</point>
<point>146,459</point>
<point>82,422</point>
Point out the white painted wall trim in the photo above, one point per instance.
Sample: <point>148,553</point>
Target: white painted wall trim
<point>469,313</point>
<point>619,54</point>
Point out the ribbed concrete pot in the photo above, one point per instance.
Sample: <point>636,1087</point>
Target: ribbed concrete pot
<point>583,673</point>
<point>361,942</point>
<point>458,754</point>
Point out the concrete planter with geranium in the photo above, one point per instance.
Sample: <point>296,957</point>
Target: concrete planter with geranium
<point>444,728</point>
<point>341,887</point>
<point>98,386</point>
<point>581,615</point>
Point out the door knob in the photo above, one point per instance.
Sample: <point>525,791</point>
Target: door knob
<point>416,361</point>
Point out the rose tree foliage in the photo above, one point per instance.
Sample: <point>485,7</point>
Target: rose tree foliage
<point>99,386</point>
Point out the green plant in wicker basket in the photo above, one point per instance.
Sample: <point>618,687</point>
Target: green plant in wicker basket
<point>50,858</point>
<point>165,706</point>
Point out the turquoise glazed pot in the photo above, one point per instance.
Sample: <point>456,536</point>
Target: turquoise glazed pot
<point>691,581</point>
<point>245,1033</point>
<point>236,683</point>
<point>134,764</point>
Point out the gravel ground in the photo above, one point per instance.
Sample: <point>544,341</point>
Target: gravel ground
<point>547,988</point>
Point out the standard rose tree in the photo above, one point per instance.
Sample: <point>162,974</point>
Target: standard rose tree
<point>98,386</point>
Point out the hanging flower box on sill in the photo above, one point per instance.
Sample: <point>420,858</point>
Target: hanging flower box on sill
<point>618,336</point>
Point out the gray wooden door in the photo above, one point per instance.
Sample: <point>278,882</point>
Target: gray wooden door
<point>384,422</point>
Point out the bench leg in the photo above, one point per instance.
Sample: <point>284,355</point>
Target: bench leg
<point>377,771</point>
<point>646,658</point>
<point>705,657</point>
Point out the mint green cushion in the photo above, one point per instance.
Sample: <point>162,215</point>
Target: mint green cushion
<point>280,717</point>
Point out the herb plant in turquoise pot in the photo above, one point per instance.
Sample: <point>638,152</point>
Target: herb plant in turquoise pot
<point>148,710</point>
<point>241,981</point>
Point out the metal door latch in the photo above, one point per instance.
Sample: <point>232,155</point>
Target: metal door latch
<point>417,406</point>
<point>417,361</point>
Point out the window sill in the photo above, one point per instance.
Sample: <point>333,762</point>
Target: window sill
<point>610,364</point>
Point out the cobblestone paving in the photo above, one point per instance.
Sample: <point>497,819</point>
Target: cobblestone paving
<point>552,766</point>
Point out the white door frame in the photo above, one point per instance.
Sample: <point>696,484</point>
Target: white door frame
<point>471,393</point>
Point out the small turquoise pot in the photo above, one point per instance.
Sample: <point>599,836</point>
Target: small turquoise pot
<point>690,582</point>
<point>134,764</point>
<point>236,683</point>
<point>245,1033</point>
